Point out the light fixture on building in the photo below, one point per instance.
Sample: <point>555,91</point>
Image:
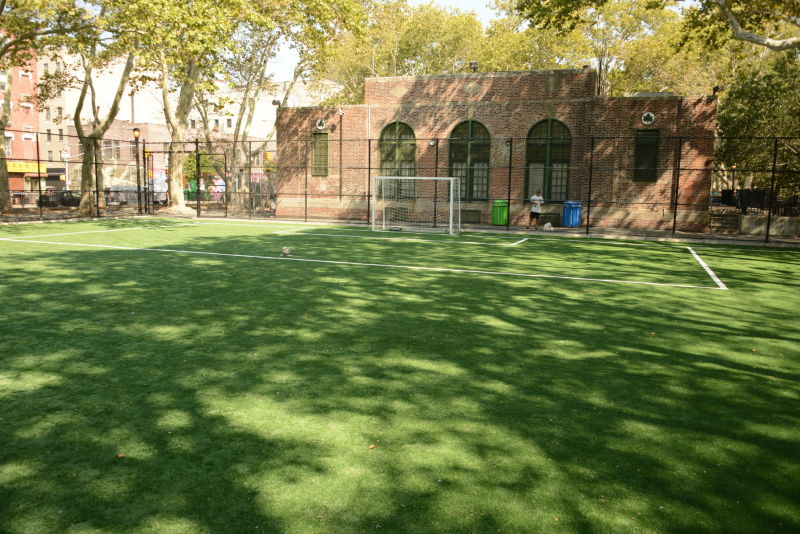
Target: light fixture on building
<point>276,103</point>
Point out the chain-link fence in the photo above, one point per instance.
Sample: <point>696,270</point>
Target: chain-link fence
<point>642,182</point>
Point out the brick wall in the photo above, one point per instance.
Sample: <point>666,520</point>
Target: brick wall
<point>508,105</point>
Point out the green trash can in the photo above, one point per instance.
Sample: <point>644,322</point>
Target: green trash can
<point>500,212</point>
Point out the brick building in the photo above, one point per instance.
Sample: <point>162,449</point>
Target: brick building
<point>20,134</point>
<point>505,134</point>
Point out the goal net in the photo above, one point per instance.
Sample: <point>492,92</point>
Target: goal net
<point>416,203</point>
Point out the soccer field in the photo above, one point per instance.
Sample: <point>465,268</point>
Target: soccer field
<point>179,376</point>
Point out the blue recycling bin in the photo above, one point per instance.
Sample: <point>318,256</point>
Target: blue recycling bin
<point>571,214</point>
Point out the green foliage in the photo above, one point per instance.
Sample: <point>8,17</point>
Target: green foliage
<point>30,26</point>
<point>401,41</point>
<point>763,101</point>
<point>713,20</point>
<point>209,167</point>
<point>511,44</point>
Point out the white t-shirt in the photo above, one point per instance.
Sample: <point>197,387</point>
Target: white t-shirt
<point>536,204</point>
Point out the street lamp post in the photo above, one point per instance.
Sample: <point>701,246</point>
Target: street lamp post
<point>136,134</point>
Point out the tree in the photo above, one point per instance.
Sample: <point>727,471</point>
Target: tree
<point>204,37</point>
<point>624,40</point>
<point>28,28</point>
<point>760,22</point>
<point>763,101</point>
<point>403,41</point>
<point>183,49</point>
<point>112,37</point>
<point>511,44</point>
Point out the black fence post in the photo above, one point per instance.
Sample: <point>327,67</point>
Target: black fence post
<point>39,176</point>
<point>147,171</point>
<point>369,181</point>
<point>138,176</point>
<point>225,178</point>
<point>305,185</point>
<point>436,182</point>
<point>341,149</point>
<point>677,175</point>
<point>589,193</point>
<point>510,142</point>
<point>772,187</point>
<point>197,170</point>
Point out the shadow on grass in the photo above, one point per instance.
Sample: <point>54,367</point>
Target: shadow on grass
<point>246,394</point>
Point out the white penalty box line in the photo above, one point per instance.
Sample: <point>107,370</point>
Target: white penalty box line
<point>364,264</point>
<point>708,270</point>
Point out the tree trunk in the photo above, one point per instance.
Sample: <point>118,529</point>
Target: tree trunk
<point>176,122</point>
<point>86,207</point>
<point>176,160</point>
<point>5,194</point>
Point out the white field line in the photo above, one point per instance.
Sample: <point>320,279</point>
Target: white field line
<point>244,222</point>
<point>273,225</point>
<point>518,242</point>
<point>708,269</point>
<point>92,232</point>
<point>384,265</point>
<point>408,239</point>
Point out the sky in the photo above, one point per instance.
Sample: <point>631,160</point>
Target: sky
<point>283,65</point>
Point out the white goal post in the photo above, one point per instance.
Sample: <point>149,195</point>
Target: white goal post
<point>418,203</point>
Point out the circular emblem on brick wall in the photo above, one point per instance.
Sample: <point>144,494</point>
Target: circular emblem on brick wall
<point>648,117</point>
<point>472,89</point>
<point>398,91</point>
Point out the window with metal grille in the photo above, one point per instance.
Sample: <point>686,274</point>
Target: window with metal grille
<point>470,147</point>
<point>398,148</point>
<point>645,166</point>
<point>547,155</point>
<point>320,155</point>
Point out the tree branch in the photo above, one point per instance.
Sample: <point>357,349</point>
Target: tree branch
<point>741,35</point>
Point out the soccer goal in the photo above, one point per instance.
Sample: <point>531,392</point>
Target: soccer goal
<point>416,203</point>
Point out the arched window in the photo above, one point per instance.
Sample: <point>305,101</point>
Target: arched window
<point>469,159</point>
<point>397,148</point>
<point>547,160</point>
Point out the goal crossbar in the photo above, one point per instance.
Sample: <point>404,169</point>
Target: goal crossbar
<point>418,203</point>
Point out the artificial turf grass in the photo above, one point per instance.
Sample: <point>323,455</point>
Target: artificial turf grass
<point>249,397</point>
